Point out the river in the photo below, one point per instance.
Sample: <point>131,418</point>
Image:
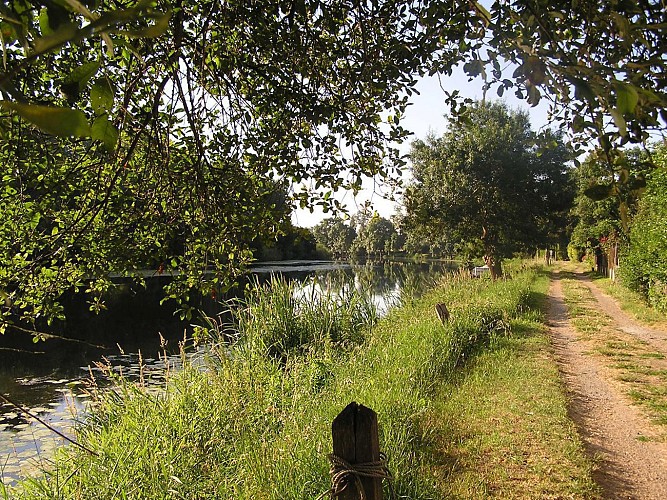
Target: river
<point>140,339</point>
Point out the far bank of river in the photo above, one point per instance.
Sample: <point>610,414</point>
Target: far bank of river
<point>139,338</point>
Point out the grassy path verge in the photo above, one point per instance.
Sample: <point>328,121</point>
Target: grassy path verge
<point>501,428</point>
<point>470,409</point>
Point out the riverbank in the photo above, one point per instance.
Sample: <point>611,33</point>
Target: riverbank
<point>469,408</point>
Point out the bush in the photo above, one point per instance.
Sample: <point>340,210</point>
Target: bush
<point>575,253</point>
<point>644,262</point>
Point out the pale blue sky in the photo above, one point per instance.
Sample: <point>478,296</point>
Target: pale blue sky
<point>425,114</point>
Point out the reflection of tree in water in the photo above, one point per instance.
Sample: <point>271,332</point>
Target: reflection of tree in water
<point>414,279</point>
<point>375,278</point>
<point>400,278</point>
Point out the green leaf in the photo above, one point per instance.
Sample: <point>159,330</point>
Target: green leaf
<point>622,24</point>
<point>619,121</point>
<point>44,23</point>
<point>159,28</point>
<point>63,34</point>
<point>83,73</point>
<point>599,192</point>
<point>474,68</point>
<point>535,70</point>
<point>77,79</point>
<point>102,95</point>
<point>486,15</point>
<point>637,184</point>
<point>105,131</point>
<point>583,91</point>
<point>626,98</point>
<point>63,122</point>
<point>578,123</point>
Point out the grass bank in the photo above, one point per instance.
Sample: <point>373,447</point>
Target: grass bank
<point>468,409</point>
<point>631,302</point>
<point>500,428</point>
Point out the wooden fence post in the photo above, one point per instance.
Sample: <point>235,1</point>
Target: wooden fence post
<point>355,440</point>
<point>442,312</point>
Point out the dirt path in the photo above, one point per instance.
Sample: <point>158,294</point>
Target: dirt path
<point>656,338</point>
<point>609,424</point>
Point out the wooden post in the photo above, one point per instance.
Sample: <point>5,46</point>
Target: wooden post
<point>355,440</point>
<point>442,312</point>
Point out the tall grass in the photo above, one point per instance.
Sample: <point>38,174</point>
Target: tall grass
<point>256,424</point>
<point>282,318</point>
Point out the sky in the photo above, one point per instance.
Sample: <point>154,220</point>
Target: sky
<point>425,114</point>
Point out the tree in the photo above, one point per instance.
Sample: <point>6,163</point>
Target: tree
<point>167,150</point>
<point>644,259</point>
<point>600,64</point>
<point>594,219</point>
<point>219,100</point>
<point>375,237</point>
<point>604,206</point>
<point>556,191</point>
<point>293,243</point>
<point>335,235</point>
<point>482,183</point>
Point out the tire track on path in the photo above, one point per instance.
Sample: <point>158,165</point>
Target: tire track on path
<point>628,468</point>
<point>656,338</point>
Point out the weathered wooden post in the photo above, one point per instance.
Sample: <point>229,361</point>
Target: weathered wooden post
<point>442,312</point>
<point>356,441</point>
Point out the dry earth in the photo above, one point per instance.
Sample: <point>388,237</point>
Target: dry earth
<point>629,450</point>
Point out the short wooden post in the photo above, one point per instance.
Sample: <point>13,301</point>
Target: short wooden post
<point>443,313</point>
<point>355,440</point>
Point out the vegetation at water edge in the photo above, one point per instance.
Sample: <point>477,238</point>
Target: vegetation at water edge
<point>256,423</point>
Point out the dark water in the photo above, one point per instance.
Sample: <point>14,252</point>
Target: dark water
<point>141,339</point>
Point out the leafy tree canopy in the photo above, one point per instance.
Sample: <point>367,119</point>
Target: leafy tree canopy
<point>484,184</point>
<point>607,198</point>
<point>190,112</point>
<point>644,259</point>
<point>335,235</point>
<point>375,238</point>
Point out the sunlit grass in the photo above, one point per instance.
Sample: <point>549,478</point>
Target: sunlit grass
<point>256,423</point>
<point>502,426</point>
<point>631,302</point>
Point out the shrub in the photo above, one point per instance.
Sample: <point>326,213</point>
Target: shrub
<point>575,253</point>
<point>644,262</point>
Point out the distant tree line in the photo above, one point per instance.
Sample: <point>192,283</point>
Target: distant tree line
<point>488,188</point>
<point>362,235</point>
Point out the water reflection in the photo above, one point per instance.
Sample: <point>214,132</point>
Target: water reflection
<point>141,340</point>
<point>26,444</point>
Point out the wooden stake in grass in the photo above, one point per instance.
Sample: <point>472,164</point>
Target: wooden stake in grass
<point>357,465</point>
<point>443,313</point>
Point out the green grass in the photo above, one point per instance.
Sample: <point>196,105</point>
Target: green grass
<point>502,427</point>
<point>470,408</point>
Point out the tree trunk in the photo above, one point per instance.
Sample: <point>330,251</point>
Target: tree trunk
<point>495,266</point>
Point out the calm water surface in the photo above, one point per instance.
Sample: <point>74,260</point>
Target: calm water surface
<point>140,339</point>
